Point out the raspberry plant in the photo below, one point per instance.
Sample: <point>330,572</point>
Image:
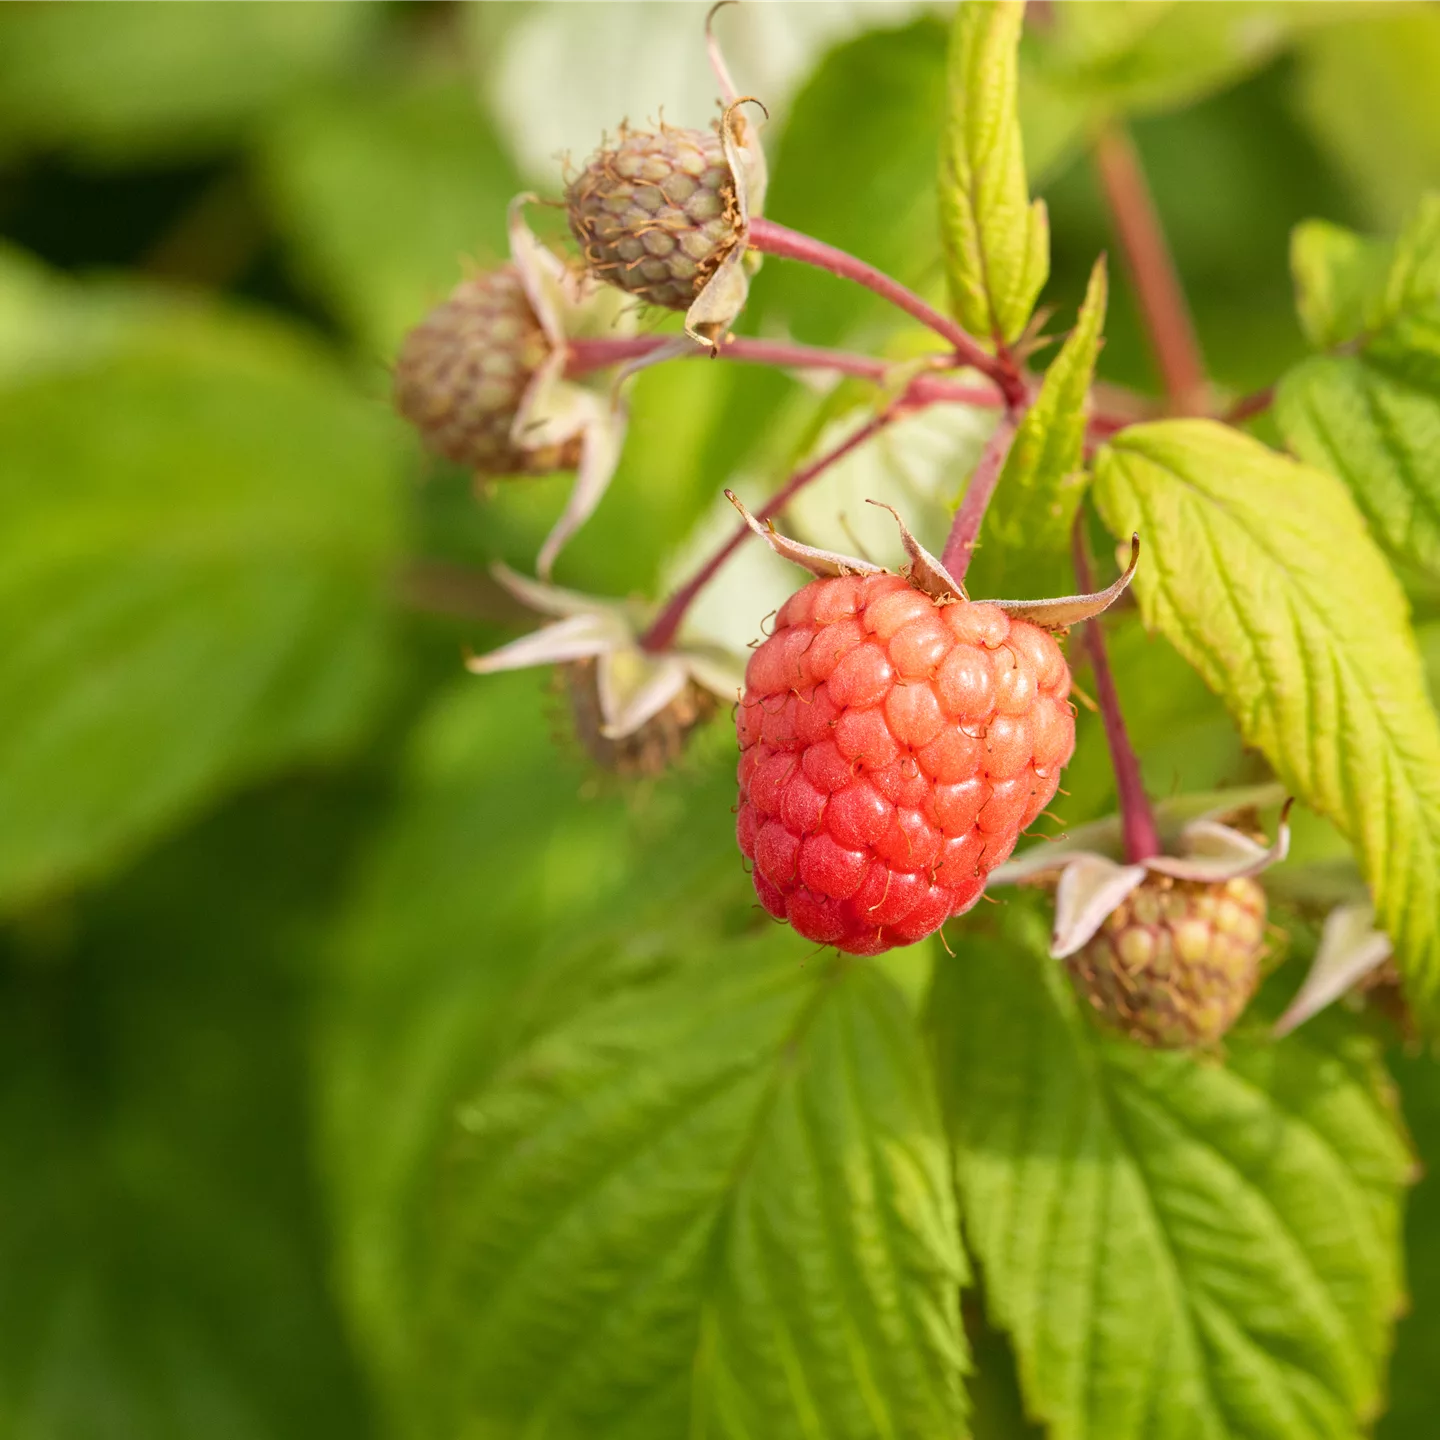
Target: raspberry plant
<point>921,968</point>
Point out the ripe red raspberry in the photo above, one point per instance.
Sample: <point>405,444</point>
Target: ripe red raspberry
<point>893,747</point>
<point>1175,963</point>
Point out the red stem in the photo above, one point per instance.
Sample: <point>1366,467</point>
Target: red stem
<point>1142,838</point>
<point>772,239</point>
<point>1248,406</point>
<point>965,528</point>
<point>1152,269</point>
<point>587,356</point>
<point>662,631</point>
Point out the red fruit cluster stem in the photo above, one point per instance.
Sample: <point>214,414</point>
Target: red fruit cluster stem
<point>586,356</point>
<point>1249,406</point>
<point>965,529</point>
<point>1137,819</point>
<point>772,239</point>
<point>1152,270</point>
<point>662,631</point>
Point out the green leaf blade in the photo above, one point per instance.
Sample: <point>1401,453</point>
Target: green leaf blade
<point>1381,435</point>
<point>997,243</point>
<point>1176,1247</point>
<point>196,597</point>
<point>721,1196</point>
<point>1261,573</point>
<point>1042,483</point>
<point>1338,277</point>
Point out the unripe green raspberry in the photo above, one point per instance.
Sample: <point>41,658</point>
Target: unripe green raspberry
<point>1177,961</point>
<point>463,372</point>
<point>657,213</point>
<point>654,747</point>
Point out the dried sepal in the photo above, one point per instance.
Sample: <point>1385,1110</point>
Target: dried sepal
<point>1090,887</point>
<point>722,297</point>
<point>820,563</point>
<point>1214,852</point>
<point>570,305</point>
<point>1350,949</point>
<point>925,571</point>
<point>576,637</point>
<point>1091,880</point>
<point>1073,609</point>
<point>629,685</point>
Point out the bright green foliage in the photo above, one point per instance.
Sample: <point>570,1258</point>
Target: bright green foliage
<point>162,1277</point>
<point>1373,417</point>
<point>722,1195</point>
<point>192,594</point>
<point>1182,732</point>
<point>111,82</point>
<point>1364,90</point>
<point>997,244</point>
<point>384,195</point>
<point>1119,57</point>
<point>1338,277</point>
<point>1042,483</point>
<point>497,903</point>
<point>457,1089</point>
<point>896,78</point>
<point>1260,572</point>
<point>1410,1411</point>
<point>1359,419</point>
<point>1176,1246</point>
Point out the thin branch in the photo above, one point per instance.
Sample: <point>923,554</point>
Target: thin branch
<point>965,528</point>
<point>587,356</point>
<point>1142,837</point>
<point>1121,407</point>
<point>772,239</point>
<point>437,587</point>
<point>1152,269</point>
<point>661,633</point>
<point>1249,406</point>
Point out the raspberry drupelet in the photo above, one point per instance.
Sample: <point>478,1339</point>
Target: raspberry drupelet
<point>893,748</point>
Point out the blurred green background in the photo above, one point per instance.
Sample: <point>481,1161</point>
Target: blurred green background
<point>279,882</point>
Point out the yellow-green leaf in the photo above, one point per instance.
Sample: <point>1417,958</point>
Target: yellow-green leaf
<point>1261,572</point>
<point>997,244</point>
<point>1177,1246</point>
<point>1041,485</point>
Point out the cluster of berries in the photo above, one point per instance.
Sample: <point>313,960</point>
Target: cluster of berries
<point>896,738</point>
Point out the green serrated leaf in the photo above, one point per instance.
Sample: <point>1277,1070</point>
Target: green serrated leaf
<point>1410,1413</point>
<point>496,904</point>
<point>1261,573</point>
<point>1373,417</point>
<point>1338,277</point>
<point>1348,285</point>
<point>715,1205</point>
<point>997,244</point>
<point>195,540</point>
<point>1042,483</point>
<point>1413,280</point>
<point>1176,1246</point>
<point>1380,434</point>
